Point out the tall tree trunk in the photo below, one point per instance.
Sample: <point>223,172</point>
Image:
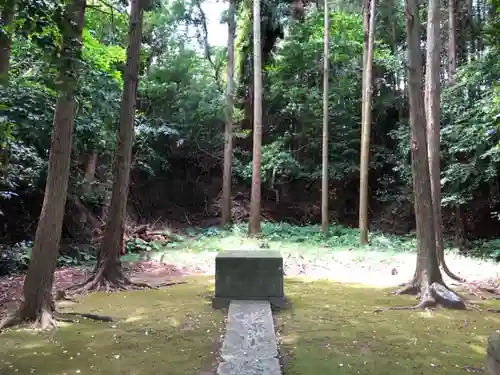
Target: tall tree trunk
<point>365,130</point>
<point>427,279</point>
<point>452,39</point>
<point>108,274</point>
<point>433,116</point>
<point>366,33</point>
<point>228,131</point>
<point>471,27</point>
<point>254,222</point>
<point>38,305</point>
<point>452,67</point>
<point>324,177</point>
<point>7,12</point>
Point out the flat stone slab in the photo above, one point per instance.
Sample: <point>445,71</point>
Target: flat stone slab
<point>250,346</point>
<point>248,275</point>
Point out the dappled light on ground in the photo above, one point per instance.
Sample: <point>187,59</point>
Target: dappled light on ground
<point>172,330</point>
<point>336,329</point>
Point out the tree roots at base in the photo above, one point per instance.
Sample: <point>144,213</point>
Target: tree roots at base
<point>98,282</point>
<point>437,294</point>
<point>46,319</point>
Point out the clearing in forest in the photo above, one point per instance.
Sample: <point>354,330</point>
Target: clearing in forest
<point>388,261</point>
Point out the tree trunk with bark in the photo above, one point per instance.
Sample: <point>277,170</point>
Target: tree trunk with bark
<point>108,274</point>
<point>228,131</point>
<point>427,279</point>
<point>38,305</point>
<point>324,178</point>
<point>366,128</point>
<point>254,222</point>
<point>433,126</point>
<point>460,239</point>
<point>7,12</point>
<point>452,40</point>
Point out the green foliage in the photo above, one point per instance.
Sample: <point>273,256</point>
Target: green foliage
<point>470,133</point>
<point>16,258</point>
<point>137,245</point>
<point>487,249</point>
<point>293,95</point>
<point>301,238</point>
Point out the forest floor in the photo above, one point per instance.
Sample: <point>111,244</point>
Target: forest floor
<point>332,329</point>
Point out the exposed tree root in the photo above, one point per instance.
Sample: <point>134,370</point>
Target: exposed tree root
<point>449,273</point>
<point>437,294</point>
<point>74,317</point>
<point>98,282</point>
<point>47,319</point>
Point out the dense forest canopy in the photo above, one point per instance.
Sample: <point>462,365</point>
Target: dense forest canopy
<point>178,147</point>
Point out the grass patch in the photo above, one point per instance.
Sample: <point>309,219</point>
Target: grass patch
<point>332,329</point>
<point>171,330</point>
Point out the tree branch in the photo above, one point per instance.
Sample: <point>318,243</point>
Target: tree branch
<point>206,46</point>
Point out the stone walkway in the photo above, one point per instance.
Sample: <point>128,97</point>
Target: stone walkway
<point>250,346</point>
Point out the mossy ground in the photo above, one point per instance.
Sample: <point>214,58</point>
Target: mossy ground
<point>333,329</point>
<point>167,331</point>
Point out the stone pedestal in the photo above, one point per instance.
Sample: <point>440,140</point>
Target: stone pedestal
<point>493,355</point>
<point>248,275</point>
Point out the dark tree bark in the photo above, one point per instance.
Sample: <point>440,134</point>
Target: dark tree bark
<point>427,279</point>
<point>228,131</point>
<point>7,12</point>
<point>324,158</point>
<point>108,274</point>
<point>433,130</point>
<point>452,39</point>
<point>38,305</point>
<point>254,222</point>
<point>366,123</point>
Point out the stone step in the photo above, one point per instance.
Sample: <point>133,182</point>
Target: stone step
<point>250,346</point>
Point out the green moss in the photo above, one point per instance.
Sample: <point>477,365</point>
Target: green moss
<point>333,329</point>
<point>168,331</point>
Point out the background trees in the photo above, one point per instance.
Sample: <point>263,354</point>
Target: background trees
<point>178,151</point>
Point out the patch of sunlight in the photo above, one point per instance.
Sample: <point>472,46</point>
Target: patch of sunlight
<point>64,324</point>
<point>478,349</point>
<point>362,286</point>
<point>481,338</point>
<point>335,323</point>
<point>289,339</point>
<point>131,319</point>
<point>32,345</point>
<point>142,345</point>
<point>426,314</point>
<point>173,321</point>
